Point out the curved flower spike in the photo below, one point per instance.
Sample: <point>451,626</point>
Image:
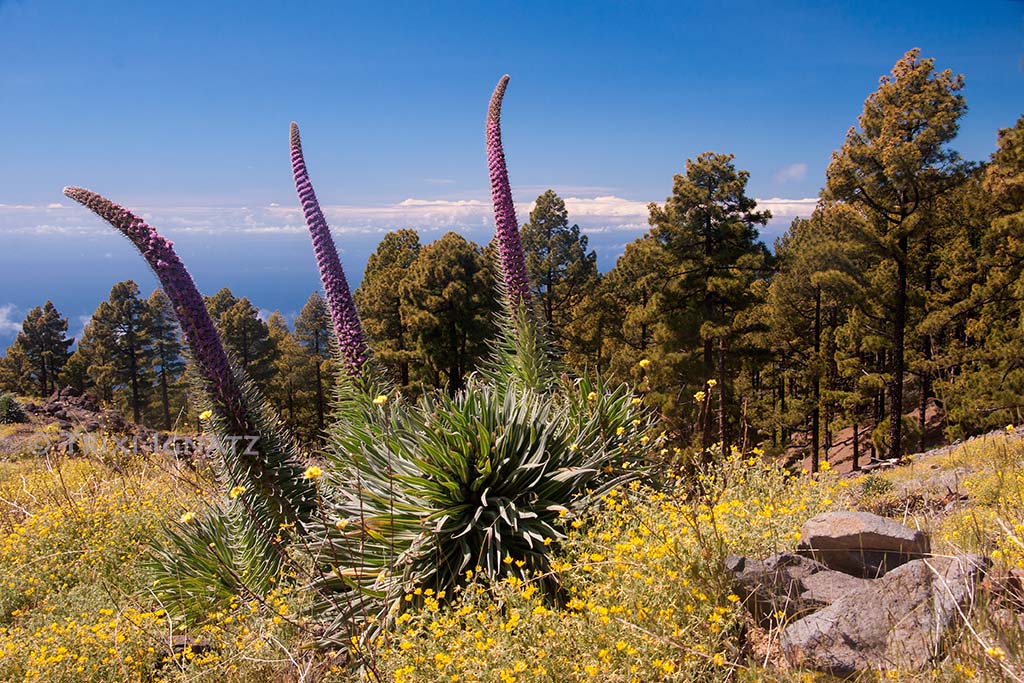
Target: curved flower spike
<point>345,319</point>
<point>196,324</point>
<point>510,248</point>
<point>276,494</point>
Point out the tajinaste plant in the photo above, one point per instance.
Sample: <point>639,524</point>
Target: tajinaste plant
<point>410,494</point>
<point>521,349</point>
<point>347,328</point>
<point>510,248</point>
<point>275,496</point>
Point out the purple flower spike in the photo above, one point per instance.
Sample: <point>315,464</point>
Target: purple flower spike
<point>347,328</point>
<point>510,248</point>
<point>188,304</point>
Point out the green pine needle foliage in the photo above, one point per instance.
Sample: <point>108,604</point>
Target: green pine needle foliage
<point>10,409</point>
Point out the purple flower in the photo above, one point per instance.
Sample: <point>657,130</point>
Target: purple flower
<point>347,328</point>
<point>510,248</point>
<point>196,325</point>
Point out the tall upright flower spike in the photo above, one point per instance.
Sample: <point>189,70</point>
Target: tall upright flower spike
<point>196,324</point>
<point>345,319</point>
<point>510,248</point>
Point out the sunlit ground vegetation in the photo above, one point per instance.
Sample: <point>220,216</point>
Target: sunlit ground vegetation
<point>642,597</point>
<point>524,523</point>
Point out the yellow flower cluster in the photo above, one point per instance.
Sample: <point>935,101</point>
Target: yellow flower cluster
<point>642,598</point>
<point>74,598</point>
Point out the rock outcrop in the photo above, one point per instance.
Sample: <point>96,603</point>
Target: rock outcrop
<point>787,585</point>
<point>896,622</point>
<point>860,543</point>
<point>862,594</point>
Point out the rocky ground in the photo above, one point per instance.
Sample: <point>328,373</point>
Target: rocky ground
<point>865,593</point>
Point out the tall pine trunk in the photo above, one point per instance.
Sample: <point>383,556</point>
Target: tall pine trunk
<point>856,443</point>
<point>816,385</point>
<point>898,339</point>
<point>722,436</point>
<point>165,401</point>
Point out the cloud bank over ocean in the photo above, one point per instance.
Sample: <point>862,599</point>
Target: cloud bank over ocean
<point>598,214</point>
<point>59,252</point>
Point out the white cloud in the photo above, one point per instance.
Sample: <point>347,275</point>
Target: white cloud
<point>791,173</point>
<point>55,205</point>
<point>788,208</point>
<point>599,213</point>
<point>9,324</point>
<point>459,203</point>
<point>607,206</point>
<point>78,332</point>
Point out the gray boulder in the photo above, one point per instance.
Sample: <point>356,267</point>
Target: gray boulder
<point>787,584</point>
<point>860,543</point>
<point>896,622</point>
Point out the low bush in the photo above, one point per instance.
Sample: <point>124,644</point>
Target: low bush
<point>10,409</point>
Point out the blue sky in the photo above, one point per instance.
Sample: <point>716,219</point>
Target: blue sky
<point>180,110</point>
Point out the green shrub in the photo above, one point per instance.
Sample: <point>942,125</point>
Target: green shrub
<point>910,436</point>
<point>10,409</point>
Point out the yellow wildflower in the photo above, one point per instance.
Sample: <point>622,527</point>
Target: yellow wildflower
<point>644,363</point>
<point>380,400</point>
<point>236,492</point>
<point>699,397</point>
<point>206,415</point>
<point>187,517</point>
<point>995,652</point>
<point>712,383</point>
<point>313,472</point>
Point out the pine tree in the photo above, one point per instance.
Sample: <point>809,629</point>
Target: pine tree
<point>631,296</point>
<point>560,269</point>
<point>379,301</point>
<point>123,323</point>
<point>894,166</point>
<point>313,333</point>
<point>586,347</point>
<point>816,283</point>
<point>708,227</point>
<point>95,353</point>
<point>448,305</point>
<point>168,362</point>
<point>219,303</point>
<point>291,387</point>
<point>246,338</point>
<point>977,316</point>
<point>39,351</point>
<point>14,371</point>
